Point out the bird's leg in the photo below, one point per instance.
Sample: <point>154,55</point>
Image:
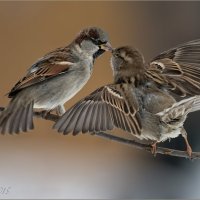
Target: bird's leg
<point>154,148</point>
<point>60,110</point>
<point>189,149</point>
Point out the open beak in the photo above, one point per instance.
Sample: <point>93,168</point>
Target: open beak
<point>107,46</point>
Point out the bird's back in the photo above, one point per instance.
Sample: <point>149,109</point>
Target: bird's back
<point>155,100</point>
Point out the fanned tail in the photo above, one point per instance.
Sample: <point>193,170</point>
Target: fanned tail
<point>16,117</point>
<point>179,110</point>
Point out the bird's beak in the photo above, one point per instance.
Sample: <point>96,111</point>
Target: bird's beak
<point>107,46</point>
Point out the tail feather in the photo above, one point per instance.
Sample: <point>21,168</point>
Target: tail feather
<point>196,105</point>
<point>16,118</point>
<point>17,121</point>
<point>30,124</point>
<point>12,123</point>
<point>23,120</point>
<point>180,109</point>
<point>4,127</point>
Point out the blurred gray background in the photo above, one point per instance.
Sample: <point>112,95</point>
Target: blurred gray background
<point>45,164</point>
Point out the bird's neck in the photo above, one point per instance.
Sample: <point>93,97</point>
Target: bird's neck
<point>136,78</point>
<point>80,53</point>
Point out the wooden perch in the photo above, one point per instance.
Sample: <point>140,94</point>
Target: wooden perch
<point>141,146</point>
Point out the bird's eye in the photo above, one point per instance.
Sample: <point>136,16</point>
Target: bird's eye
<point>116,55</point>
<point>97,41</point>
<point>93,39</point>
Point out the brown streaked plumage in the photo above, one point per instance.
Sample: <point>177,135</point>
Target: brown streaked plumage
<point>178,69</point>
<point>53,80</point>
<point>102,110</point>
<point>44,72</point>
<point>141,100</point>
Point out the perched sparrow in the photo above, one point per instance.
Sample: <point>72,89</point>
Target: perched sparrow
<point>53,80</point>
<point>142,98</point>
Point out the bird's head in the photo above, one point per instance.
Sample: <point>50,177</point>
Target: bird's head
<point>126,62</point>
<point>94,41</point>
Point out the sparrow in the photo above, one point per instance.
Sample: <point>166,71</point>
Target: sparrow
<point>53,80</point>
<point>142,99</point>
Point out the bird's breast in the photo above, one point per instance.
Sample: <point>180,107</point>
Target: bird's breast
<point>60,89</point>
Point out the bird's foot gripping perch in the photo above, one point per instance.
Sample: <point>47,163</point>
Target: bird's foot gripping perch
<point>154,148</point>
<point>189,149</point>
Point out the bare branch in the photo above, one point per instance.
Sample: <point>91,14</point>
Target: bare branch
<point>146,147</point>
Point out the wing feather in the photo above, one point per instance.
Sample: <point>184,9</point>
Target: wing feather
<point>178,69</point>
<point>102,110</point>
<point>51,65</point>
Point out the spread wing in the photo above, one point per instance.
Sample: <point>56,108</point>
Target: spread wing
<point>47,67</point>
<point>102,110</point>
<point>178,69</point>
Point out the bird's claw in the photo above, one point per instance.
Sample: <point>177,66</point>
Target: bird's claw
<point>154,148</point>
<point>189,151</point>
